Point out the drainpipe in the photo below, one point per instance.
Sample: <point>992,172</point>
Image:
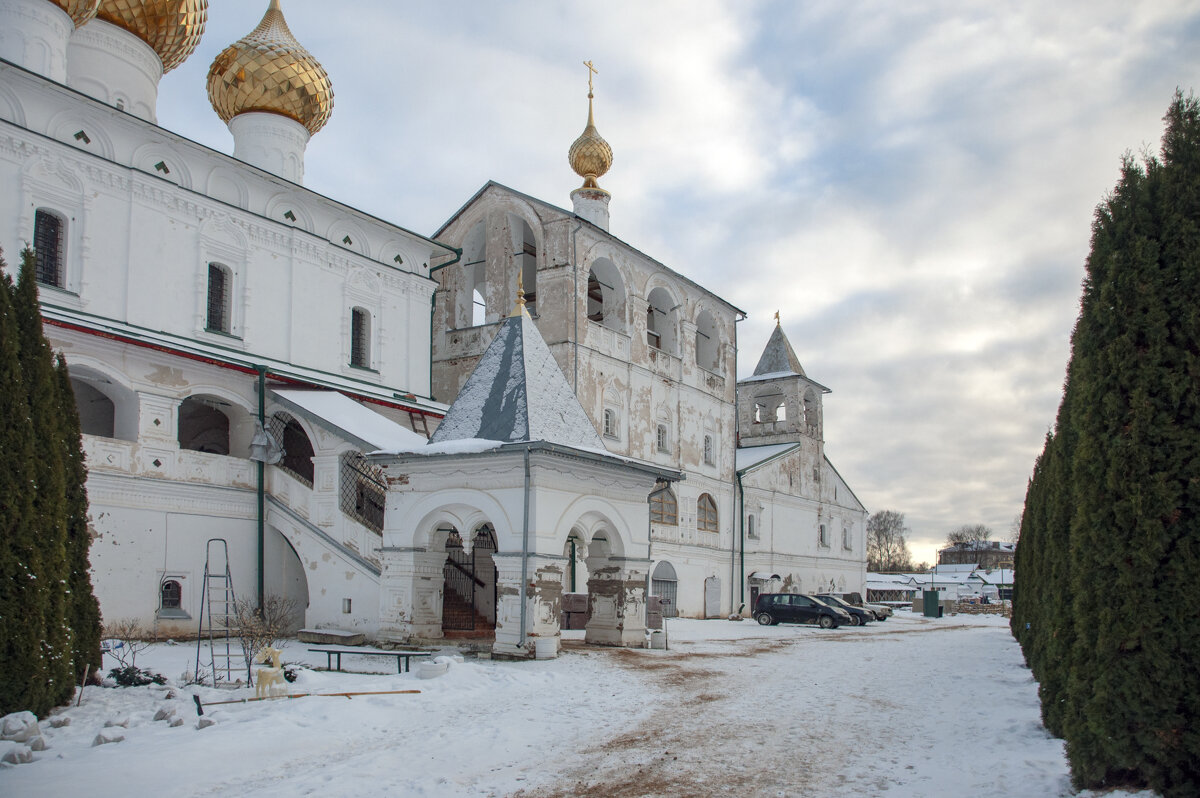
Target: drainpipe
<point>741,519</point>
<point>433,307</point>
<point>525,553</point>
<point>262,467</point>
<point>575,332</point>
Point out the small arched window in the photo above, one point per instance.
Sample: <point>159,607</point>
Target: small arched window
<point>49,246</point>
<point>706,514</point>
<point>220,292</point>
<point>360,338</point>
<point>172,595</point>
<point>664,509</point>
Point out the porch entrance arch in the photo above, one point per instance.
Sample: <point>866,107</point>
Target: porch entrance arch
<point>665,584</point>
<point>469,582</point>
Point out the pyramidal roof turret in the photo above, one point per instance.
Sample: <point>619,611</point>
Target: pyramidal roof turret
<point>517,393</point>
<point>778,357</point>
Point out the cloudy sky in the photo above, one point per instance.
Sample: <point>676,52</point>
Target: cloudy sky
<point>911,184</point>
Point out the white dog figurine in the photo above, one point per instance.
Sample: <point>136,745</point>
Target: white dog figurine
<point>269,681</point>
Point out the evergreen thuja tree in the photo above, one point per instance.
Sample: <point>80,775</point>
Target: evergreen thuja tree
<point>1028,562</point>
<point>1130,714</point>
<point>22,667</point>
<point>49,495</point>
<point>83,610</point>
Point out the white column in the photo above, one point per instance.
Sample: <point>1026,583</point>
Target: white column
<point>410,594</point>
<point>542,605</point>
<point>34,35</point>
<point>617,601</point>
<point>271,142</point>
<point>592,204</point>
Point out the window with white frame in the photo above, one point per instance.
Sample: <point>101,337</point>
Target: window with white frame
<point>708,450</point>
<point>664,508</point>
<point>360,338</point>
<point>220,294</point>
<point>49,247</point>
<point>662,438</point>
<point>610,423</point>
<point>706,514</point>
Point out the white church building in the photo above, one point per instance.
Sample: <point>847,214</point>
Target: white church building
<point>257,372</point>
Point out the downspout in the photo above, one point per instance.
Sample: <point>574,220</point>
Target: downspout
<point>736,562</point>
<point>262,468</point>
<point>433,307</point>
<point>575,332</point>
<point>525,553</point>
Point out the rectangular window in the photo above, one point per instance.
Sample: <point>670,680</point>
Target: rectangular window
<point>662,438</point>
<point>751,527</point>
<point>48,229</point>
<point>824,536</point>
<point>610,423</point>
<point>360,338</point>
<point>708,450</point>
<point>218,299</point>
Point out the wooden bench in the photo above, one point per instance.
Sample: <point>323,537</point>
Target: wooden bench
<point>403,658</point>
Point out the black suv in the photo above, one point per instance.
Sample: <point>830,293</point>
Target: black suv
<point>858,615</point>
<point>773,608</point>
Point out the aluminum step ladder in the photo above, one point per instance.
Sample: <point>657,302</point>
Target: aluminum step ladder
<point>218,633</point>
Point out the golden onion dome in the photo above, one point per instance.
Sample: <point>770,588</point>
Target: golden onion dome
<point>590,156</point>
<point>172,27</point>
<point>268,70</point>
<point>80,11</point>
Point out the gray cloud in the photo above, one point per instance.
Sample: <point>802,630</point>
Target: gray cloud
<point>910,184</point>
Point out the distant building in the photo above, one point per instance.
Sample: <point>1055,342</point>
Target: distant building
<point>985,554</point>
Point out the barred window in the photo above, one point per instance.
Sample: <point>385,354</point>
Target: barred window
<point>48,246</point>
<point>363,491</point>
<point>172,595</point>
<point>360,338</point>
<point>297,449</point>
<point>706,514</point>
<point>219,285</point>
<point>664,509</point>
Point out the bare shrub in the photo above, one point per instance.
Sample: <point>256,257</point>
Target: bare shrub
<point>265,627</point>
<point>128,638</point>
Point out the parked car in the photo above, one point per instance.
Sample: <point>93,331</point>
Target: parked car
<point>773,608</point>
<point>881,611</point>
<point>859,616</point>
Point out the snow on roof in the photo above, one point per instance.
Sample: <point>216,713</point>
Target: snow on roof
<point>890,581</point>
<point>950,568</point>
<point>750,456</point>
<point>997,576</point>
<point>350,419</point>
<point>517,393</point>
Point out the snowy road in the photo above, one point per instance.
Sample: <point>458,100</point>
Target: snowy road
<point>909,707</point>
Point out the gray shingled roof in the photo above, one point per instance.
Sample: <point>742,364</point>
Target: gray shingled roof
<point>778,357</point>
<point>517,393</point>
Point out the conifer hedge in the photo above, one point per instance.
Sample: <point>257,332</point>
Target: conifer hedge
<point>49,618</point>
<point>1107,607</point>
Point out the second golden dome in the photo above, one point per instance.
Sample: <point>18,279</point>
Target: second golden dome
<point>268,70</point>
<point>172,27</point>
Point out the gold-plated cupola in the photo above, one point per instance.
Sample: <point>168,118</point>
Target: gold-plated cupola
<point>171,27</point>
<point>590,156</point>
<point>268,70</point>
<point>80,11</point>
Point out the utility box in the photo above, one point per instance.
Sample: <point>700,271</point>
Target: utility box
<point>931,605</point>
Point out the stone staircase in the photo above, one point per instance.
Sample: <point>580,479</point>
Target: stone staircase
<point>460,621</point>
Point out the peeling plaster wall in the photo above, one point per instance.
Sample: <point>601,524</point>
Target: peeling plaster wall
<point>790,506</point>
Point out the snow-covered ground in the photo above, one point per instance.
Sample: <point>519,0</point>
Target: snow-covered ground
<point>909,707</point>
